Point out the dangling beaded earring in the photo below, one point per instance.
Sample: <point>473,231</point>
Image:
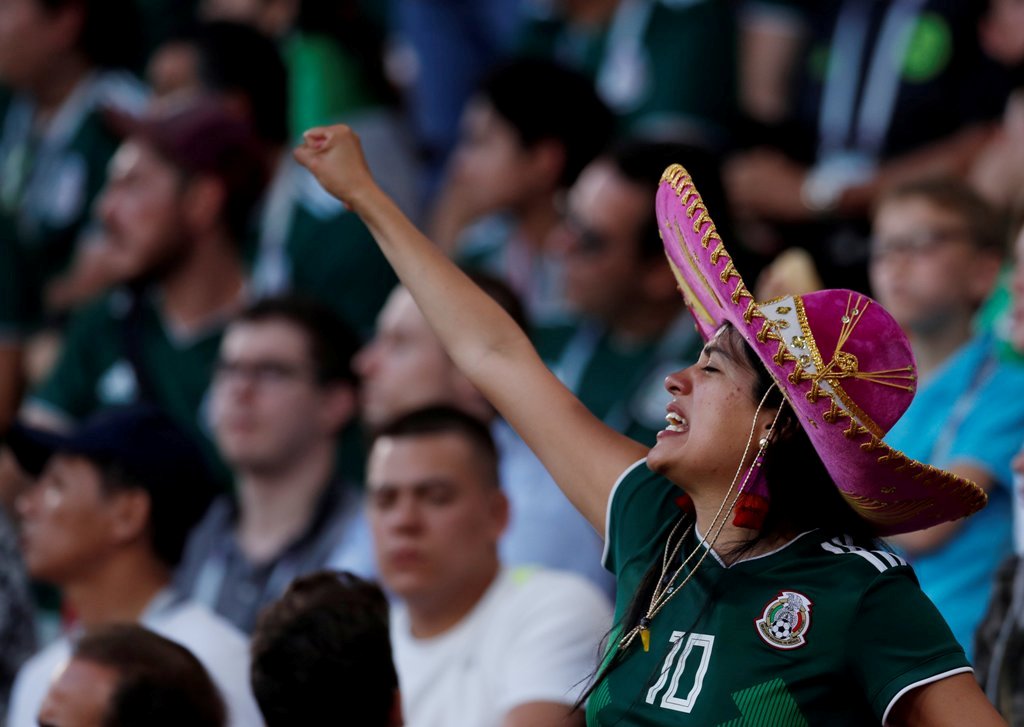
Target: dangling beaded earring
<point>752,503</point>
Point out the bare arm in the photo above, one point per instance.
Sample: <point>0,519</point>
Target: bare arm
<point>582,454</point>
<point>924,541</point>
<point>954,701</point>
<point>543,714</point>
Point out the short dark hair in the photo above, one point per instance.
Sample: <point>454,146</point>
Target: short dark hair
<point>237,58</point>
<point>111,33</point>
<point>436,420</point>
<point>160,683</point>
<point>332,342</point>
<point>323,647</point>
<point>544,100</point>
<point>986,227</point>
<point>642,163</point>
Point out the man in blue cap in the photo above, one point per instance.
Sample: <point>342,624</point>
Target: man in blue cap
<point>106,522</point>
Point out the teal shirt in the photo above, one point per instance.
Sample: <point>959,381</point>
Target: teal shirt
<point>817,632</point>
<point>622,383</point>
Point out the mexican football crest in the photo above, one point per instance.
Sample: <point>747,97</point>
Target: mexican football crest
<point>785,620</point>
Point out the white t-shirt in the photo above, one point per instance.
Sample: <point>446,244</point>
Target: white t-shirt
<point>533,637</point>
<point>221,648</point>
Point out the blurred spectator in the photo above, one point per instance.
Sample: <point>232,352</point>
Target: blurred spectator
<point>322,649</point>
<point>442,49</point>
<point>667,68</point>
<point>304,239</point>
<point>181,190</point>
<point>544,528</point>
<point>16,629</point>
<point>526,135</point>
<point>998,173</point>
<point>107,522</point>
<point>999,641</point>
<point>635,329</point>
<point>935,255</point>
<point>282,392</point>
<point>772,33</point>
<point>122,675</point>
<point>887,92</point>
<point>57,70</point>
<point>474,644</point>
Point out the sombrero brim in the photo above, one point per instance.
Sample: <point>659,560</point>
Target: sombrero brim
<point>812,345</point>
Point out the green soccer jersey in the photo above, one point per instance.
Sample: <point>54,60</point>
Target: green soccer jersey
<point>662,65</point>
<point>622,383</point>
<point>95,369</point>
<point>818,632</point>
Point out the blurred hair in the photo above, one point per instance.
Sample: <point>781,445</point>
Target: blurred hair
<point>439,420</point>
<point>543,101</point>
<point>986,227</point>
<point>237,58</point>
<point>172,513</point>
<point>323,649</point>
<point>160,683</point>
<point>111,33</point>
<point>332,342</point>
<point>642,163</point>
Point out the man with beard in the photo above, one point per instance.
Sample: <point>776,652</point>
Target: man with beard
<point>179,195</point>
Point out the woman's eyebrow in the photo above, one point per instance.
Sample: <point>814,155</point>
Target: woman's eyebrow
<point>713,348</point>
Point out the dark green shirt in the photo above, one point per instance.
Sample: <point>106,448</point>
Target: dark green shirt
<point>818,632</point>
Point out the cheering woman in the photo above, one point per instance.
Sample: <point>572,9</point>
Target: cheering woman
<point>751,587</point>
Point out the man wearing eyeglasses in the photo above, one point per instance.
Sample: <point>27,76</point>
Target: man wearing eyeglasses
<point>283,389</point>
<point>631,328</point>
<point>935,256</point>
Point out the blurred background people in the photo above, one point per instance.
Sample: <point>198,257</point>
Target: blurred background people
<point>17,630</point>
<point>884,92</point>
<point>935,257</point>
<point>667,68</point>
<point>525,136</point>
<point>107,522</point>
<point>323,649</point>
<point>474,643</point>
<point>175,208</point>
<point>283,389</point>
<point>124,674</point>
<point>632,328</point>
<point>61,62</point>
<point>405,368</point>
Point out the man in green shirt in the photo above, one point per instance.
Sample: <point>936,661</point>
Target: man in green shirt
<point>633,328</point>
<point>178,198</point>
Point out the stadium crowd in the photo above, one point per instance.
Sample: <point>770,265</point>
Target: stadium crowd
<point>241,480</point>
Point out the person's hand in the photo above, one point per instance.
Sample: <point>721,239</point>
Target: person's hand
<point>335,157</point>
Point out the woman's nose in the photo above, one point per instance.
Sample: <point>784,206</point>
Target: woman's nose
<point>678,382</point>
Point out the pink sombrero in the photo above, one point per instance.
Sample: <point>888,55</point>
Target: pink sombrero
<point>840,359</point>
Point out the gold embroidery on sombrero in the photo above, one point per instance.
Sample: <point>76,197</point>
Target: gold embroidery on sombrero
<point>690,297</point>
<point>693,264</point>
<point>806,368</point>
<point>845,365</point>
<point>799,374</point>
